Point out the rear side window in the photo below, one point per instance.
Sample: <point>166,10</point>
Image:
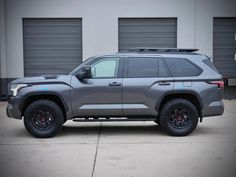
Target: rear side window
<point>142,67</point>
<point>162,69</point>
<point>181,67</point>
<point>210,64</point>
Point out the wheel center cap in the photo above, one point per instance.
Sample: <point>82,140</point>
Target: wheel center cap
<point>43,119</point>
<point>179,117</point>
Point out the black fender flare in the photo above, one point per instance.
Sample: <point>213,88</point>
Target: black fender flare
<point>41,93</point>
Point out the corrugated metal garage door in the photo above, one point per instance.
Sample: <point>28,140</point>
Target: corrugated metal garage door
<point>225,46</point>
<point>51,45</point>
<point>147,32</point>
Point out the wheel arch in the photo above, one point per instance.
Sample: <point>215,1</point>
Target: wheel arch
<point>29,98</point>
<point>189,95</point>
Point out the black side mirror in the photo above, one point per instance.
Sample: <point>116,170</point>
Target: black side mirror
<point>84,73</point>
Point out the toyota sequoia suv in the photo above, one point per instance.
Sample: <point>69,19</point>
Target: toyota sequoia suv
<point>175,88</point>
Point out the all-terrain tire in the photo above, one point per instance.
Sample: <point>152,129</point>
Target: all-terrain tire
<point>175,110</point>
<point>43,118</point>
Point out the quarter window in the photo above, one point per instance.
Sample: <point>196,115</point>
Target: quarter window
<point>181,67</point>
<point>105,68</point>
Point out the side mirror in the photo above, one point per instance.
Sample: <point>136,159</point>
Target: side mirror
<point>84,73</point>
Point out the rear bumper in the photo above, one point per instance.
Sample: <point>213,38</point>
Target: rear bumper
<point>12,108</point>
<point>215,108</point>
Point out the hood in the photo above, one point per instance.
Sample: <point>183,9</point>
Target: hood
<point>43,79</point>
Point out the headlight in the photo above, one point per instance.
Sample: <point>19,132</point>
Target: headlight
<point>16,87</point>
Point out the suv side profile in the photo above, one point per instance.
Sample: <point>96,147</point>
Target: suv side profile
<point>172,87</point>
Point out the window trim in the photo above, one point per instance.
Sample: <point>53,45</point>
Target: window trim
<point>186,59</point>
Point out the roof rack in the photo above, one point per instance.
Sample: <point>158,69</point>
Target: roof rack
<point>151,49</point>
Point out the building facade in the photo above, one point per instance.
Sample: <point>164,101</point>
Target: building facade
<point>54,36</point>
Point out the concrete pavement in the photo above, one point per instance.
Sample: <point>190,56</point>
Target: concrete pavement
<point>120,149</point>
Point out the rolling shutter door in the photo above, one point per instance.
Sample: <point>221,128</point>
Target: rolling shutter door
<point>51,46</point>
<point>147,32</point>
<point>224,46</point>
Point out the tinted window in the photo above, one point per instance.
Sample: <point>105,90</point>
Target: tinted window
<point>106,67</point>
<point>210,64</point>
<point>181,67</point>
<point>162,69</point>
<point>142,67</point>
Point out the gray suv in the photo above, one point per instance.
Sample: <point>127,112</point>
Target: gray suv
<point>172,87</point>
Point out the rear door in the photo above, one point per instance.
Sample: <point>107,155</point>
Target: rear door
<point>145,81</point>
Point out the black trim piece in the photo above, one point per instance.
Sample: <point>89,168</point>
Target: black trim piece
<point>173,92</point>
<point>41,93</point>
<point>51,82</point>
<point>113,120</point>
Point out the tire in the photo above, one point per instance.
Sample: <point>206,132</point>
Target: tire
<point>179,117</point>
<point>43,118</point>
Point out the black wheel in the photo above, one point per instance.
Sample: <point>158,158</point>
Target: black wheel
<point>179,117</point>
<point>43,118</point>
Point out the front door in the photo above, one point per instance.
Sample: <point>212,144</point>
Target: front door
<point>102,94</point>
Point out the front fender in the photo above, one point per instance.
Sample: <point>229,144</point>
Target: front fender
<point>62,91</point>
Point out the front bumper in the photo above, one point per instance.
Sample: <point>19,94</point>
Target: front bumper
<point>215,108</point>
<point>12,108</point>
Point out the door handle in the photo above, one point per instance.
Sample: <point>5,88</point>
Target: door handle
<point>164,83</point>
<point>114,84</point>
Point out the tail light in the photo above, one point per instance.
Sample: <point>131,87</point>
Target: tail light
<point>220,84</point>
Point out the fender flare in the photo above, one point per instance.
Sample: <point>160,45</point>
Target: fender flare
<point>41,93</point>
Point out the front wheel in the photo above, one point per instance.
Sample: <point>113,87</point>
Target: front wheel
<point>43,118</point>
<point>179,117</point>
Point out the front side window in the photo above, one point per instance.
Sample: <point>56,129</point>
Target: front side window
<point>105,68</point>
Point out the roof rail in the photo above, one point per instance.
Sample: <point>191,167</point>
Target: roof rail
<point>153,49</point>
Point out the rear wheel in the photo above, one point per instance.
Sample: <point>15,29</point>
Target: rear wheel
<point>179,117</point>
<point>43,118</point>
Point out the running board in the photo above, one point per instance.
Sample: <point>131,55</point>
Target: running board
<point>111,119</point>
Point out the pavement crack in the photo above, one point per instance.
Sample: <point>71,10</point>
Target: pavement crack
<point>96,153</point>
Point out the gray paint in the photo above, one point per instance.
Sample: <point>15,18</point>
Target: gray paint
<point>51,46</point>
<point>134,97</point>
<point>224,46</point>
<point>147,32</point>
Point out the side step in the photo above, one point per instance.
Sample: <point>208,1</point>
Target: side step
<point>112,119</point>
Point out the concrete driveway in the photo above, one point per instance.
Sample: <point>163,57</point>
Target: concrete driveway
<point>138,149</point>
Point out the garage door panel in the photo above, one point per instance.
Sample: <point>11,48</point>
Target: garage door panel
<point>147,21</point>
<point>146,41</point>
<point>52,46</point>
<point>126,47</point>
<point>147,29</point>
<point>224,45</point>
<point>62,42</point>
<point>138,32</point>
<point>53,30</point>
<point>148,34</point>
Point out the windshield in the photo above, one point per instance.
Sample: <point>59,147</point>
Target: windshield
<point>81,65</point>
